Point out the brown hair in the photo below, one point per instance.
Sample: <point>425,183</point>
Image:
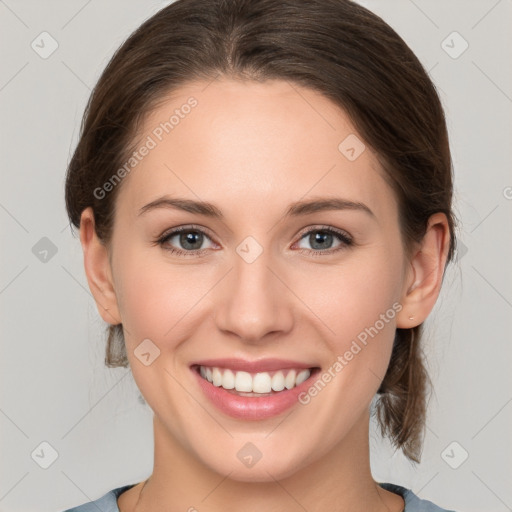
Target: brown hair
<point>335,47</point>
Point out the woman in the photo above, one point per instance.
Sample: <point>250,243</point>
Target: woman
<point>263,191</point>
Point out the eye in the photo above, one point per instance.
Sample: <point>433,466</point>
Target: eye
<point>189,238</point>
<point>321,240</point>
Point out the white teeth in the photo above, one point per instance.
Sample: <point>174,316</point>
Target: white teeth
<point>243,382</point>
<point>216,377</point>
<point>262,382</point>
<point>289,381</point>
<point>303,375</point>
<point>278,381</point>
<point>228,379</point>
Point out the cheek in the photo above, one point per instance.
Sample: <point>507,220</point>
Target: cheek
<point>155,294</point>
<point>359,302</point>
<point>144,302</point>
<point>156,301</point>
<point>354,295</point>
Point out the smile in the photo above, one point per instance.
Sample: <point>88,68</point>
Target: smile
<point>254,383</point>
<point>253,391</point>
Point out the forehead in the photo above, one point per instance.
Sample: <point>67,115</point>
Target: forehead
<point>256,142</point>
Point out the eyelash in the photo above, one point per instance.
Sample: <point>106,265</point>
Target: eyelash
<point>343,237</point>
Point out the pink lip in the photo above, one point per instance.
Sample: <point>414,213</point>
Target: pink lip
<point>252,408</point>
<point>263,365</point>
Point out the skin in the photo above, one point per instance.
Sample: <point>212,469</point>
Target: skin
<point>245,145</point>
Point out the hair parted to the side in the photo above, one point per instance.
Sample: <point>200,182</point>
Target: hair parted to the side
<point>335,47</point>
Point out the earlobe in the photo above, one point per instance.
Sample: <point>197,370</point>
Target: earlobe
<point>425,275</point>
<point>97,269</point>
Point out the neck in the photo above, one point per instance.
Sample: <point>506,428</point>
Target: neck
<point>338,480</point>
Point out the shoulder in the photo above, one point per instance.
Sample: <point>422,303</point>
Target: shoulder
<point>107,503</point>
<point>412,502</point>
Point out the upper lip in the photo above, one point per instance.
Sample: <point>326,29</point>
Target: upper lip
<point>262,365</point>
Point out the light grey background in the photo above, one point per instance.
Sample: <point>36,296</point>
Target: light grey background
<point>54,385</point>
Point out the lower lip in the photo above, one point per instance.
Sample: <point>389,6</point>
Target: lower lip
<point>252,408</point>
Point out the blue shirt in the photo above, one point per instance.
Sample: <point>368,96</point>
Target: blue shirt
<point>108,502</point>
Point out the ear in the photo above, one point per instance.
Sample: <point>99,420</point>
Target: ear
<point>98,270</point>
<point>425,274</point>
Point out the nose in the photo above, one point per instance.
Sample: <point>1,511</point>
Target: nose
<point>253,301</point>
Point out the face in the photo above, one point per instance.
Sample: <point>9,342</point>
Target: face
<point>253,289</point>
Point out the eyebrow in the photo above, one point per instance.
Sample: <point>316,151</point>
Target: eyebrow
<point>294,210</point>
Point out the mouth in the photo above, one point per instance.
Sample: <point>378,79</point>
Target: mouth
<point>238,390</point>
<point>254,384</point>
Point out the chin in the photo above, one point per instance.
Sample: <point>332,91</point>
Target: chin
<point>248,464</point>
